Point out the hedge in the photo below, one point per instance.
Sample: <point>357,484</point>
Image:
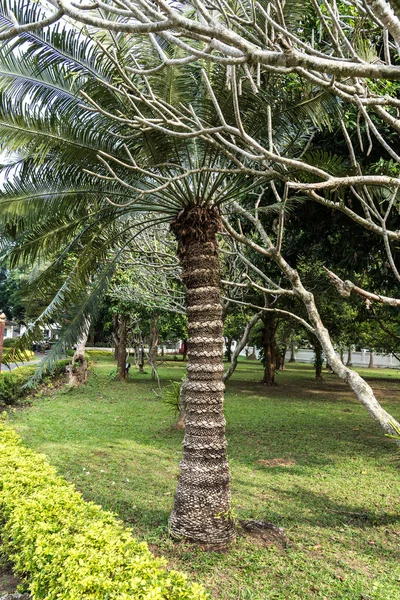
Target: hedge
<point>99,352</point>
<point>69,549</point>
<point>10,342</point>
<point>13,383</point>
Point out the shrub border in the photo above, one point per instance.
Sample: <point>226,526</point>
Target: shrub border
<point>69,549</point>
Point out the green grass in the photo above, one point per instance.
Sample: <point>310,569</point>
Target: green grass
<point>335,489</point>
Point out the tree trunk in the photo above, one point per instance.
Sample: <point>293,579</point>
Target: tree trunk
<point>318,360</point>
<point>269,346</point>
<point>78,371</point>
<point>280,363</point>
<point>153,343</point>
<point>292,358</point>
<point>141,359</point>
<point>341,355</point>
<point>253,355</point>
<point>371,360</point>
<point>228,343</point>
<point>241,344</point>
<point>122,374</point>
<point>185,348</point>
<point>349,362</point>
<point>115,336</point>
<point>202,511</point>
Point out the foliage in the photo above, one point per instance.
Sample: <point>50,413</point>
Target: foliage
<point>15,385</point>
<point>70,352</point>
<point>396,437</point>
<point>67,548</point>
<point>8,355</point>
<point>98,353</point>
<point>12,384</point>
<point>172,395</point>
<point>10,294</point>
<point>9,342</point>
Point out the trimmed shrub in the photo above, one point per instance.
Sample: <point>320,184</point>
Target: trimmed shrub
<point>10,342</point>
<point>13,384</point>
<point>69,549</point>
<point>99,352</point>
<point>70,352</point>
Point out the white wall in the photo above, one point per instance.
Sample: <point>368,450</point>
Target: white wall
<point>359,359</point>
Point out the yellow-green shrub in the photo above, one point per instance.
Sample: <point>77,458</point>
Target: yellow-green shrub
<point>8,355</point>
<point>99,352</point>
<point>69,549</point>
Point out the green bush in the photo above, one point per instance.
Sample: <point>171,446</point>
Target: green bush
<point>57,369</point>
<point>9,342</point>
<point>99,352</point>
<point>69,549</point>
<point>13,384</point>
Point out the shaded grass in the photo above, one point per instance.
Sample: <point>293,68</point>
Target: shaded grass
<point>338,501</point>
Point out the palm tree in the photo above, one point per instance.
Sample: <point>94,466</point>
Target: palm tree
<point>85,182</point>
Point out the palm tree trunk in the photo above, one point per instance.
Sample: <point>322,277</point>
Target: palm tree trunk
<point>202,511</point>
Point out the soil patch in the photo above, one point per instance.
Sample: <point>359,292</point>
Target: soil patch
<point>8,583</point>
<point>267,534</point>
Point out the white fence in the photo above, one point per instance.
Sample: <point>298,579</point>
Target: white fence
<point>358,359</point>
<point>306,355</point>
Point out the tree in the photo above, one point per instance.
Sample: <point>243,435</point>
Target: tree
<point>202,504</point>
<point>212,145</point>
<point>11,302</point>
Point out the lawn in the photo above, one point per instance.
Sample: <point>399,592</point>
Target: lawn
<point>304,455</point>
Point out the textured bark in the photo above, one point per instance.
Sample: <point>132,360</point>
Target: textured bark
<point>202,511</point>
<point>241,344</point>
